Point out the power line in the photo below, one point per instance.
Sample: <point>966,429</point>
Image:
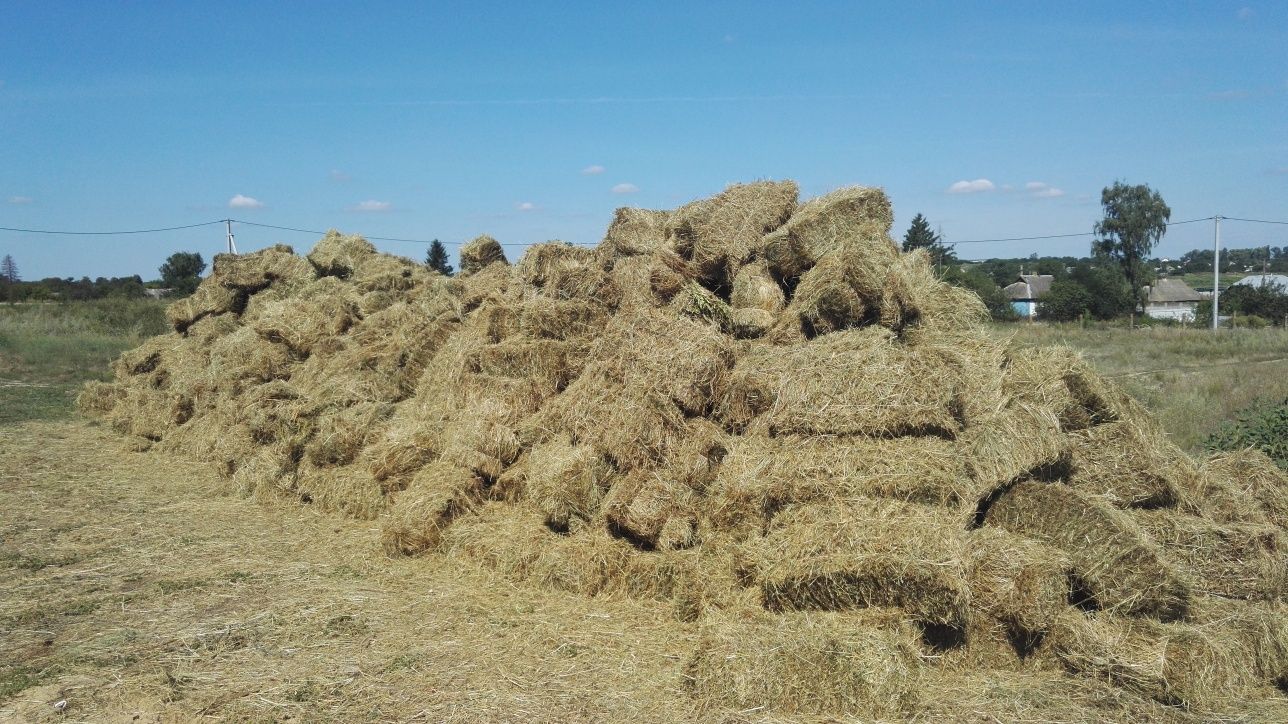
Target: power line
<point>110,233</point>
<point>1068,236</point>
<point>377,238</point>
<point>1254,221</point>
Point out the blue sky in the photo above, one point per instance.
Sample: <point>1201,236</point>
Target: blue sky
<point>533,122</point>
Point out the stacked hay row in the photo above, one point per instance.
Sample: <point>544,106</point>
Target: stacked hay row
<point>758,411</point>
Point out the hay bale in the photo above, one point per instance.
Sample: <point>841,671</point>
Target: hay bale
<point>696,302</point>
<point>750,323</point>
<point>1113,559</point>
<point>341,434</point>
<point>856,382</point>
<point>1017,581</point>
<point>1259,629</point>
<point>277,265</point>
<point>1245,486</point>
<point>244,355</point>
<point>561,271</point>
<point>1058,379</point>
<point>1016,442</point>
<point>804,664</point>
<point>210,298</point>
<point>347,489</point>
<point>863,554</point>
<point>323,312</point>
<point>635,232</point>
<point>1132,464</point>
<point>386,273</point>
<point>761,476</point>
<point>842,291</point>
<point>717,234</point>
<point>1234,560</point>
<point>1175,664</point>
<point>754,288</point>
<point>480,252</point>
<point>550,364</point>
<point>857,216</point>
<point>546,318</point>
<point>339,255</point>
<point>439,493</point>
<point>398,451</point>
<point>651,512</point>
<point>565,482</point>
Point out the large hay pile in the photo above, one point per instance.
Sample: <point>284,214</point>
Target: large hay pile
<point>757,411</point>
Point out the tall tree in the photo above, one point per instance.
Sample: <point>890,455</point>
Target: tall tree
<point>181,272</point>
<point>9,270</point>
<point>436,258</point>
<point>1135,221</point>
<point>920,236</point>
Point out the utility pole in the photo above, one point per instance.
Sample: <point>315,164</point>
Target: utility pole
<point>1216,271</point>
<point>232,247</point>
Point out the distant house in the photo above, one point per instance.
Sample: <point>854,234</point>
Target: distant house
<point>156,293</point>
<point>1264,280</point>
<point>1025,293</point>
<point>1171,299</point>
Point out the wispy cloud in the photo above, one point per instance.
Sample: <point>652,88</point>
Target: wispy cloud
<point>244,202</point>
<point>625,189</point>
<point>1042,190</point>
<point>339,176</point>
<point>372,206</point>
<point>971,187</point>
<point>593,170</point>
<point>525,206</point>
<point>1245,13</point>
<point>21,200</point>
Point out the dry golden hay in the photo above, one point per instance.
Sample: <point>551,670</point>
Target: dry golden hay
<point>635,232</point>
<point>856,216</point>
<point>480,252</point>
<point>1173,663</point>
<point>718,234</point>
<point>275,266</point>
<point>545,318</point>
<point>750,323</point>
<point>807,663</point>
<point>244,355</point>
<point>1058,379</point>
<point>1016,442</point>
<point>384,273</point>
<point>864,553</point>
<point>550,364</point>
<point>761,476</point>
<point>1017,581</point>
<point>1259,628</point>
<point>1116,566</point>
<point>348,489</point>
<point>439,493</point>
<point>652,512</point>
<point>341,434</point>
<point>339,255</point>
<point>1245,486</point>
<point>699,303</point>
<point>210,298</point>
<point>829,298</point>
<point>561,271</point>
<point>303,324</point>
<point>565,482</point>
<point>856,382</point>
<point>1132,464</point>
<point>754,288</point>
<point>1233,560</point>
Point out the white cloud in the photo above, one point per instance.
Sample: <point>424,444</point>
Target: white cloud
<point>1042,190</point>
<point>593,170</point>
<point>372,206</point>
<point>1245,13</point>
<point>971,187</point>
<point>339,176</point>
<point>625,189</point>
<point>244,202</point>
<point>526,206</point>
<point>21,200</point>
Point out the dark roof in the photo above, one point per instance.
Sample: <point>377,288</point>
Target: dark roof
<point>1030,286</point>
<point>1172,290</point>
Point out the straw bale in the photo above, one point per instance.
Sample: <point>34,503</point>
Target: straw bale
<point>1017,581</point>
<point>718,233</point>
<point>1016,442</point>
<point>1134,465</point>
<point>565,482</point>
<point>269,469</point>
<point>697,302</point>
<point>761,476</point>
<point>1113,559</point>
<point>816,663</point>
<point>913,296</point>
<point>649,372</point>
<point>641,507</point>
<point>697,455</point>
<point>561,271</point>
<point>398,451</point>
<point>438,494</point>
<point>668,273</point>
<point>209,298</point>
<point>145,358</point>
<point>210,328</point>
<point>1176,664</point>
<point>341,434</point>
<point>1259,628</point>
<point>754,288</point>
<point>550,364</point>
<point>339,255</point>
<point>632,276</point>
<point>480,252</point>
<point>840,292</point>
<point>276,265</point>
<point>347,489</point>
<point>244,355</point>
<point>855,382</point>
<point>1245,486</point>
<point>491,283</point>
<point>829,556</point>
<point>546,318</point>
<point>1059,379</point>
<point>750,323</point>
<point>1234,560</point>
<point>636,231</point>
<point>857,216</point>
<point>303,324</point>
<point>386,273</point>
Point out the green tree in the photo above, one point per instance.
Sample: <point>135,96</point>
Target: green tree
<point>920,236</point>
<point>9,270</point>
<point>436,258</point>
<point>181,272</point>
<point>978,281</point>
<point>1108,289</point>
<point>1135,221</point>
<point>1066,301</point>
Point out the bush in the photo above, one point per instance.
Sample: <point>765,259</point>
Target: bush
<point>1066,302</point>
<point>1263,426</point>
<point>976,280</point>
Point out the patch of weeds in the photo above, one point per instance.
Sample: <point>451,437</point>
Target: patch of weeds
<point>346,625</point>
<point>25,562</point>
<point>14,679</point>
<point>304,692</point>
<point>239,577</point>
<point>405,662</point>
<point>343,571</point>
<point>81,607</point>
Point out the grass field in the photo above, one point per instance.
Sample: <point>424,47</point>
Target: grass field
<point>139,588</point>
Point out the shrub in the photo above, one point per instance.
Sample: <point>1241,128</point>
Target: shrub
<point>1263,426</point>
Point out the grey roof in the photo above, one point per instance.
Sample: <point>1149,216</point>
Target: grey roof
<point>1030,286</point>
<point>1259,280</point>
<point>1172,290</point>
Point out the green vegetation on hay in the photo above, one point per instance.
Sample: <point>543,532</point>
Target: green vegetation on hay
<point>1263,426</point>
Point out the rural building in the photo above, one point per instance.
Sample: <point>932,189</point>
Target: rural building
<point>1025,293</point>
<point>1171,299</point>
<point>1264,280</point>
